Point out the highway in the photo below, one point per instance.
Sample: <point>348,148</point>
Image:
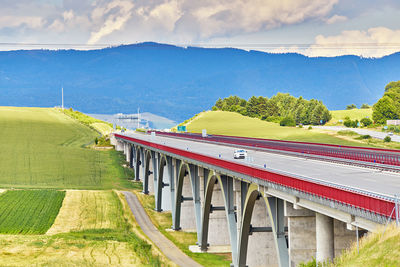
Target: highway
<point>374,134</point>
<point>370,180</point>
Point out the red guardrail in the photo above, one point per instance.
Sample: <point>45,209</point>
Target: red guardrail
<point>371,155</point>
<point>366,202</point>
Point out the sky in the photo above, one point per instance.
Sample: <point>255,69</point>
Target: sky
<point>367,28</point>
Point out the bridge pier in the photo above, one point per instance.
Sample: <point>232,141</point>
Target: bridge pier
<point>301,234</point>
<point>324,238</point>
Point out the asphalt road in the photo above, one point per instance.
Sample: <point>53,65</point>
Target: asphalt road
<point>371,180</point>
<point>374,134</point>
<point>163,243</point>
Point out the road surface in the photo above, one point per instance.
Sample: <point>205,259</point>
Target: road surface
<point>374,134</point>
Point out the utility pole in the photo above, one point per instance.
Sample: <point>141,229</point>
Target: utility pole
<point>138,117</point>
<point>62,98</point>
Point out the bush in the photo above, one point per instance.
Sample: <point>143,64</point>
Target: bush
<point>364,106</point>
<point>347,132</point>
<point>287,121</point>
<point>350,123</point>
<point>309,128</point>
<point>387,139</point>
<point>300,125</point>
<point>361,137</point>
<point>366,122</point>
<point>352,106</point>
<point>347,123</point>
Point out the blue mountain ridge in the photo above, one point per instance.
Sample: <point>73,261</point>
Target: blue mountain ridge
<point>177,82</point>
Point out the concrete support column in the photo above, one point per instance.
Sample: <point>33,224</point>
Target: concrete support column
<point>188,219</point>
<point>127,152</point>
<point>324,237</point>
<point>119,146</point>
<point>132,154</point>
<point>301,234</point>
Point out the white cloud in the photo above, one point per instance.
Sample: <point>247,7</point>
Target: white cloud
<point>115,16</point>
<point>374,42</point>
<point>336,18</point>
<point>213,18</point>
<point>33,22</point>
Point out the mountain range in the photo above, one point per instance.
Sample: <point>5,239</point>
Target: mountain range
<point>177,82</point>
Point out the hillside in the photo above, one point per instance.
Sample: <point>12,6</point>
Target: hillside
<point>230,123</point>
<point>176,82</point>
<point>376,249</point>
<point>353,114</point>
<point>44,148</point>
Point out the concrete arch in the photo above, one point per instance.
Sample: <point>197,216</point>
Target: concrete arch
<point>226,184</point>
<point>275,213</point>
<point>184,170</point>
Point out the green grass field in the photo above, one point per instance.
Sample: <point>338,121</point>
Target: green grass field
<point>381,248</point>
<point>231,123</point>
<point>353,114</point>
<point>44,148</point>
<point>29,211</point>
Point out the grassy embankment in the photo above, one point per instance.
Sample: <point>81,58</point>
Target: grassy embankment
<point>376,249</point>
<point>231,123</point>
<point>353,114</point>
<point>43,148</point>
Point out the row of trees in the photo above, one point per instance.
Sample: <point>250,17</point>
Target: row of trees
<point>353,106</point>
<point>276,108</point>
<point>388,107</point>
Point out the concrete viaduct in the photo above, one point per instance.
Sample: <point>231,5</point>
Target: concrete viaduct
<point>267,210</point>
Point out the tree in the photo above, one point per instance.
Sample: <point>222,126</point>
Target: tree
<point>352,106</point>
<point>392,85</point>
<point>384,109</point>
<point>365,106</point>
<point>366,122</point>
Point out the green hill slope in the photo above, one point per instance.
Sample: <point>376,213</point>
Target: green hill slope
<point>377,249</point>
<point>44,148</point>
<point>353,114</point>
<point>231,123</point>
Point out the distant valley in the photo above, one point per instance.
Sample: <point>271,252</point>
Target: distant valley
<point>130,121</point>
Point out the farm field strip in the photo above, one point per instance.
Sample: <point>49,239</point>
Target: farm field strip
<point>29,211</point>
<point>44,148</point>
<point>83,210</point>
<point>51,251</point>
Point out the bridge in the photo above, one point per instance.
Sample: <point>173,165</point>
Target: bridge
<point>283,204</point>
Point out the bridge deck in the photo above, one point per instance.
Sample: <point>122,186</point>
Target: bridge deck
<point>370,180</point>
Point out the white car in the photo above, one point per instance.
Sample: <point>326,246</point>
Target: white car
<point>390,133</point>
<point>239,154</point>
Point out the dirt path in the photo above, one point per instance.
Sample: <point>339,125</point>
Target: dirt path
<point>163,243</point>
